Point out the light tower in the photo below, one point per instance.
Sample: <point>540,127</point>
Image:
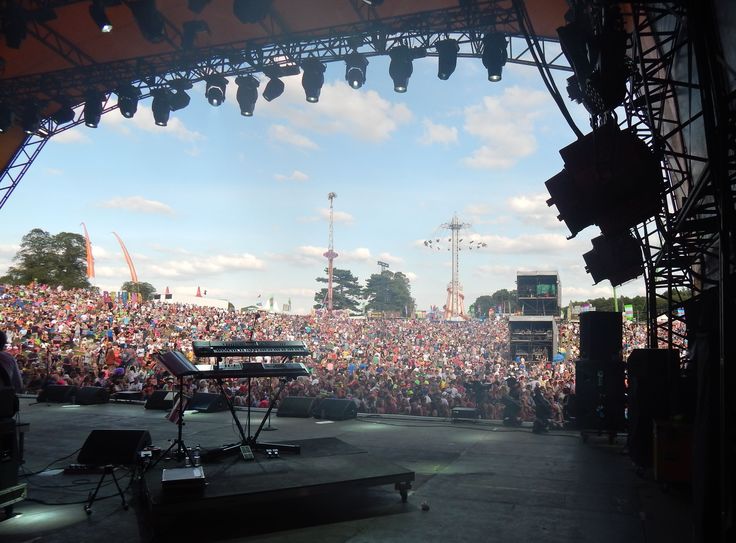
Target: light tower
<point>331,255</point>
<point>454,307</point>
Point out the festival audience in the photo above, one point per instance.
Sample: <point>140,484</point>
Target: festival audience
<point>386,366</point>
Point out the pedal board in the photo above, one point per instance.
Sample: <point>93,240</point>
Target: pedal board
<point>247,453</point>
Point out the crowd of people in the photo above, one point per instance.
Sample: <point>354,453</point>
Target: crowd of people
<point>386,366</point>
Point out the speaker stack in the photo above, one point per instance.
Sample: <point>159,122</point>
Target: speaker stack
<point>57,394</point>
<point>336,409</point>
<point>205,402</point>
<point>600,393</point>
<point>113,447</point>
<point>92,395</point>
<point>296,406</point>
<point>160,399</point>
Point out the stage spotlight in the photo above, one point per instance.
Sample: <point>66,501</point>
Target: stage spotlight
<point>128,97</point>
<point>447,51</point>
<point>6,118</point>
<point>179,99</point>
<point>247,94</point>
<point>274,89</point>
<point>215,91</point>
<point>197,5</point>
<point>313,79</point>
<point>251,11</point>
<point>401,67</point>
<point>65,114</point>
<point>373,3</point>
<point>30,119</point>
<point>97,12</point>
<point>161,106</point>
<point>355,69</point>
<point>494,55</point>
<point>149,19</point>
<point>13,24</point>
<point>93,105</point>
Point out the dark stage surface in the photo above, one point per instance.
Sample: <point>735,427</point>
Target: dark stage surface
<point>482,482</point>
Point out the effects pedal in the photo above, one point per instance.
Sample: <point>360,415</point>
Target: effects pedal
<point>247,453</point>
<point>272,453</point>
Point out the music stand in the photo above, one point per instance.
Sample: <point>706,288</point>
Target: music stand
<point>179,366</point>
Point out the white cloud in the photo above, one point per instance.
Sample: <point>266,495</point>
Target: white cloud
<point>285,134</point>
<point>390,259</point>
<point>362,114</point>
<point>338,216</point>
<point>478,209</point>
<point>8,249</point>
<point>527,243</point>
<point>361,254</point>
<point>54,171</point>
<point>437,133</point>
<point>137,204</point>
<point>505,126</point>
<point>533,209</point>
<point>296,175</point>
<point>143,120</point>
<point>72,135</point>
<point>111,271</point>
<point>411,276</point>
<point>211,264</point>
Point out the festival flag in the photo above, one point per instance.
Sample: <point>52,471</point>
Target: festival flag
<point>90,258</point>
<point>166,292</point>
<point>199,293</point>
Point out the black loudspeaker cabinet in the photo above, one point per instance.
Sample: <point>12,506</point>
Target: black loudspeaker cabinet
<point>113,447</point>
<point>601,335</point>
<point>9,455</point>
<point>296,406</point>
<point>160,399</point>
<point>206,402</point>
<point>92,395</point>
<point>654,391</point>
<point>57,394</point>
<point>336,409</point>
<point>600,396</point>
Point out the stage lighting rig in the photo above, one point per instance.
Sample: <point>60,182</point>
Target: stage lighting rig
<point>30,119</point>
<point>128,97</point>
<point>149,19</point>
<point>494,55</point>
<point>251,11</point>
<point>197,5</point>
<point>356,66</point>
<point>313,79</point>
<point>215,91</point>
<point>93,105</point>
<point>13,20</point>
<point>65,113</point>
<point>447,57</point>
<point>161,106</point>
<point>97,12</point>
<point>179,99</point>
<point>401,67</point>
<point>247,94</point>
<point>274,89</point>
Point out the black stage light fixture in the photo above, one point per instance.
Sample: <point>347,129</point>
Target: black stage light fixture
<point>447,52</point>
<point>128,97</point>
<point>251,11</point>
<point>274,89</point>
<point>6,118</point>
<point>494,55</point>
<point>149,19</point>
<point>189,31</point>
<point>30,119</point>
<point>97,12</point>
<point>161,106</point>
<point>247,94</point>
<point>313,79</point>
<point>356,66</point>
<point>93,105</point>
<point>197,5</point>
<point>65,113</point>
<point>401,67</point>
<point>373,3</point>
<point>13,20</point>
<point>215,91</point>
<point>179,99</point>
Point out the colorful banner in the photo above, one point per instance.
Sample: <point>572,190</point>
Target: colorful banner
<point>629,312</point>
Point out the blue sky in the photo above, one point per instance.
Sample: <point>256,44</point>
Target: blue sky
<point>238,206</point>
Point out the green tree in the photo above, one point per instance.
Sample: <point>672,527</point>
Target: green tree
<point>147,290</point>
<point>346,291</point>
<point>389,292</point>
<point>59,260</point>
<point>505,298</point>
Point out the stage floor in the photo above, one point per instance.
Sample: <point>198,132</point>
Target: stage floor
<point>477,481</point>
